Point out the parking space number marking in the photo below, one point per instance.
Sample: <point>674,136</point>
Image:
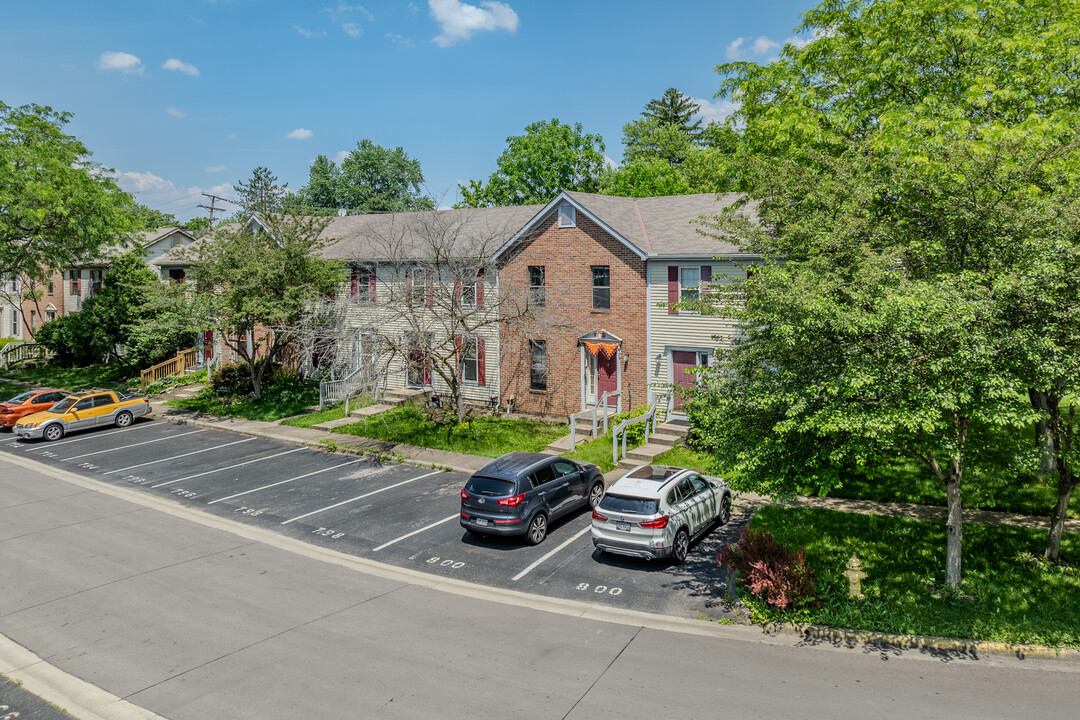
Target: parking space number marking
<point>444,562</point>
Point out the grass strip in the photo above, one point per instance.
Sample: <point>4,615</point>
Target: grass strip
<point>1009,593</point>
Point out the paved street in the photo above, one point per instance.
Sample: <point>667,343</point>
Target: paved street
<point>390,512</point>
<point>196,614</point>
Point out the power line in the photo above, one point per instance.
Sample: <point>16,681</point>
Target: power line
<point>212,207</point>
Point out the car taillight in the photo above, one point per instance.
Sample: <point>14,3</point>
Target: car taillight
<point>465,495</point>
<point>512,501</point>
<point>655,524</point>
<point>7,411</point>
<point>598,516</point>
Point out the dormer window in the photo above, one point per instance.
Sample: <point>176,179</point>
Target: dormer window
<point>567,216</point>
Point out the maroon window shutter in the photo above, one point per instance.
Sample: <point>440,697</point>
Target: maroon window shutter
<point>480,289</point>
<point>430,287</point>
<point>706,278</point>
<point>672,288</point>
<point>481,362</point>
<point>457,352</point>
<point>371,285</point>
<point>457,292</point>
<point>354,285</point>
<point>408,286</point>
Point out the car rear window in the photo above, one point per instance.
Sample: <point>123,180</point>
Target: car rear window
<point>632,505</point>
<point>479,485</point>
<point>21,398</point>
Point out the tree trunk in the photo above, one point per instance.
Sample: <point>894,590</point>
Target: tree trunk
<point>1067,482</point>
<point>1044,436</point>
<point>459,404</point>
<point>954,527</point>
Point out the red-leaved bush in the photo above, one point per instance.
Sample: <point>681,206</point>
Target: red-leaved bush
<point>769,570</point>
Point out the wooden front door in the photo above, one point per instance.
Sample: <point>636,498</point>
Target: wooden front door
<point>681,361</point>
<point>607,377</point>
<point>208,346</point>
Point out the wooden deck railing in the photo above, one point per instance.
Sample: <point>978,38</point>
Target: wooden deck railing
<point>173,366</point>
<point>18,352</point>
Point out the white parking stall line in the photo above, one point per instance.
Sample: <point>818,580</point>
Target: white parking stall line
<point>536,564</point>
<point>417,532</point>
<point>91,436</point>
<point>360,497</point>
<point>125,447</point>
<point>229,467</point>
<point>282,482</point>
<point>177,457</point>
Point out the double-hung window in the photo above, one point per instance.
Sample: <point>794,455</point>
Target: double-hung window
<point>73,276</point>
<point>601,287</point>
<point>537,286</point>
<point>362,285</point>
<point>15,322</point>
<point>538,365</point>
<point>95,281</point>
<point>470,360</point>
<point>689,283</point>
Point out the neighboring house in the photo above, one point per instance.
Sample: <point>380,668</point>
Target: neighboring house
<point>65,291</point>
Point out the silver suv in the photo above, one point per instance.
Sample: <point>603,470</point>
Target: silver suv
<point>655,511</point>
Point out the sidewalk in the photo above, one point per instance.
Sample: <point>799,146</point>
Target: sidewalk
<point>468,464</point>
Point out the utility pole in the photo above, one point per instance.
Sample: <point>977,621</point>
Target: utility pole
<point>212,207</point>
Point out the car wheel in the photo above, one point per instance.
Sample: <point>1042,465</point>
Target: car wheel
<point>124,419</point>
<point>596,493</point>
<point>681,546</point>
<point>537,529</point>
<point>725,511</point>
<point>53,432</point>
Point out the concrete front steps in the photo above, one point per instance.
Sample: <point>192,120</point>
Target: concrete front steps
<point>667,436</point>
<point>392,399</point>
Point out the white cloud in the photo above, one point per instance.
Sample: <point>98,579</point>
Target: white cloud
<point>122,61</point>
<point>180,66</point>
<point>176,112</point>
<point>763,47</point>
<point>300,134</point>
<point>715,111</point>
<point>308,33</point>
<point>400,40</point>
<point>157,192</point>
<point>352,29</point>
<point>340,157</point>
<point>458,20</point>
<point>215,168</point>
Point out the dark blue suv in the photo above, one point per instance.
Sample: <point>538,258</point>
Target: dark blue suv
<point>520,493</point>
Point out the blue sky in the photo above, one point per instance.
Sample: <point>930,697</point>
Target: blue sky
<point>184,96</point>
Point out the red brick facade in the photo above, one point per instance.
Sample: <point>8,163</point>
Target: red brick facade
<point>37,313</point>
<point>568,254</point>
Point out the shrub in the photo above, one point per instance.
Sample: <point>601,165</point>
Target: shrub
<point>635,434</point>
<point>770,571</point>
<point>232,379</point>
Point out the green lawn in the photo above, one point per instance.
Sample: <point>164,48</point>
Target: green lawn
<point>1009,595</point>
<point>331,413</point>
<point>682,456</point>
<point>8,390</point>
<point>113,377</point>
<point>905,481</point>
<point>275,403</point>
<point>488,436</point>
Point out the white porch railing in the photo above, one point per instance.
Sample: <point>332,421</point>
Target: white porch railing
<point>13,353</point>
<point>648,418</point>
<point>362,381</point>
<point>603,403</point>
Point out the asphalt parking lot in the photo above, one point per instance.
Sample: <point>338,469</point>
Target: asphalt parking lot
<point>393,513</point>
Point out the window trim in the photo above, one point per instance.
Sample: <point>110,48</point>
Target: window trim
<point>463,359</point>
<point>601,288</point>
<point>567,211</point>
<point>534,346</point>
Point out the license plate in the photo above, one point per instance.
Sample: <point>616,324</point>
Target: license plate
<point>624,526</point>
<point>482,521</point>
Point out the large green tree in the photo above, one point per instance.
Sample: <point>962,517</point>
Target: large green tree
<point>260,194</point>
<point>914,155</point>
<point>258,281</point>
<point>675,110</point>
<point>56,206</point>
<point>378,179</point>
<point>550,157</point>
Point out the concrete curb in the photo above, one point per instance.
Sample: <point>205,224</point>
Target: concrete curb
<point>969,648</point>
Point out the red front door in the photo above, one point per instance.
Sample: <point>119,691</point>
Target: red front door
<point>607,377</point>
<point>681,361</point>
<point>208,345</point>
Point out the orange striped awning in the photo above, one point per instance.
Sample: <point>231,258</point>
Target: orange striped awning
<point>597,347</point>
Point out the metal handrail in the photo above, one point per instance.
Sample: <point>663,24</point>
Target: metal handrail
<point>576,416</point>
<point>621,428</point>
<point>363,378</point>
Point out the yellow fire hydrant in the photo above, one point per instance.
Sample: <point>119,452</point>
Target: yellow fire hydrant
<point>855,576</point>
